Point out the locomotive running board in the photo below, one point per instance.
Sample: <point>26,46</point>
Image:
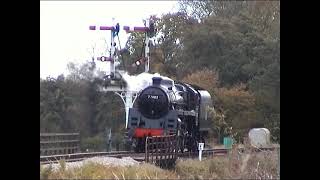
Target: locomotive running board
<point>187,113</point>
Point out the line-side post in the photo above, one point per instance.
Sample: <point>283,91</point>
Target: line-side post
<point>147,49</point>
<point>113,70</point>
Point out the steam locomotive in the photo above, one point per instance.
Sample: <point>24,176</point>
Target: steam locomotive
<point>169,108</point>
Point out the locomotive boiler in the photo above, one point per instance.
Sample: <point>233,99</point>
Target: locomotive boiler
<point>169,108</point>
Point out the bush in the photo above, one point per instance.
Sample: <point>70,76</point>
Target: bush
<point>96,143</point>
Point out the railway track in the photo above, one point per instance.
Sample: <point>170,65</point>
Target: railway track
<point>119,154</point>
<point>136,156</point>
<point>82,156</point>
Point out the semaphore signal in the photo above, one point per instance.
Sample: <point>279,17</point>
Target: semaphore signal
<point>128,97</point>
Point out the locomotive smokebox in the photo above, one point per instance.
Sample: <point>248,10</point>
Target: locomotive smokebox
<point>156,81</point>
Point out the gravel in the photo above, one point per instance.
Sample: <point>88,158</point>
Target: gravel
<point>107,161</point>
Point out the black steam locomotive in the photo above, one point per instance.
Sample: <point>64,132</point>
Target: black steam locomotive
<point>167,108</point>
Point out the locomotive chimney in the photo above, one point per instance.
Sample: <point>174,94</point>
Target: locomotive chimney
<point>156,81</point>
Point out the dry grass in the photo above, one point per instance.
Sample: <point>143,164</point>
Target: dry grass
<point>245,165</point>
<point>253,165</point>
<point>263,165</point>
<point>208,168</point>
<point>98,171</point>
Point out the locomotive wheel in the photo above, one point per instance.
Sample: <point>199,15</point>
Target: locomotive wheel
<point>139,145</point>
<point>193,145</point>
<point>136,146</point>
<point>190,143</point>
<point>181,144</point>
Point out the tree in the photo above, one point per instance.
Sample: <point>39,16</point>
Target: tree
<point>204,9</point>
<point>230,48</point>
<point>206,79</point>
<point>75,104</point>
<point>234,106</point>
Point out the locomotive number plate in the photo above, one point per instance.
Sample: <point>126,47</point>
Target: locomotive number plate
<point>153,97</point>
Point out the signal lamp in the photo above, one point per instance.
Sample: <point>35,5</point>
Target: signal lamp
<point>103,58</point>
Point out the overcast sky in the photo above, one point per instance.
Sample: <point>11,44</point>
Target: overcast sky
<point>64,28</point>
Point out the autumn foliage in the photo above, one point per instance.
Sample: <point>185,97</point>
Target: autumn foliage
<point>234,106</point>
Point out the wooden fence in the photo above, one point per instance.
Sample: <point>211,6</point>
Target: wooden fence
<point>161,150</point>
<point>59,143</point>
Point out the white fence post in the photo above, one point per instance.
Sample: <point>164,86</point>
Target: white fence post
<point>200,148</point>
